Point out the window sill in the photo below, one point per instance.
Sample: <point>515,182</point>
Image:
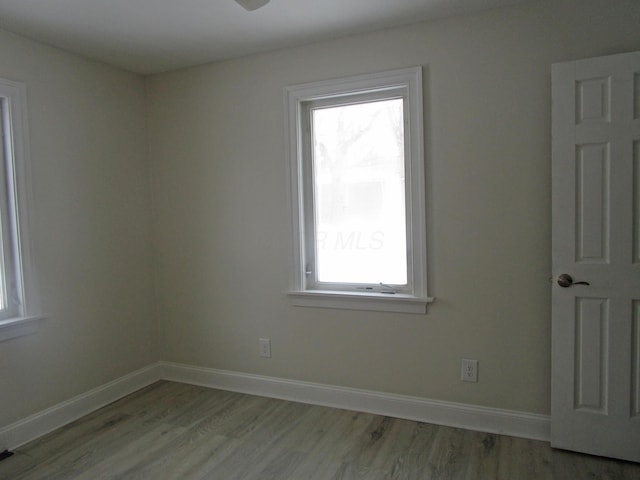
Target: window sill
<point>376,302</point>
<point>18,327</point>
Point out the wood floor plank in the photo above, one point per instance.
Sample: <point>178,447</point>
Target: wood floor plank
<point>96,447</point>
<point>126,461</point>
<point>270,453</point>
<point>73,435</point>
<point>449,454</point>
<point>402,455</point>
<point>176,431</point>
<point>413,459</point>
<point>183,458</point>
<point>483,459</point>
<point>328,457</point>
<point>530,459</point>
<point>16,465</point>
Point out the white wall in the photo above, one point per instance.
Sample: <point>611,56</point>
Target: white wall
<point>90,229</point>
<point>221,224</point>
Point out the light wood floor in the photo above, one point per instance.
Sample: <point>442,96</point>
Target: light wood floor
<point>176,431</point>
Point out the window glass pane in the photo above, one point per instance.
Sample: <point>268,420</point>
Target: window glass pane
<point>4,146</point>
<point>3,288</point>
<point>359,193</point>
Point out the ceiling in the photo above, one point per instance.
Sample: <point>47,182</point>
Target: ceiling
<point>151,36</point>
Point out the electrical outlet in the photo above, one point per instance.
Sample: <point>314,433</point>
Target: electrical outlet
<point>265,347</point>
<point>469,371</point>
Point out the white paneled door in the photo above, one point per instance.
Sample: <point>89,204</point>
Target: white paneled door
<point>595,400</point>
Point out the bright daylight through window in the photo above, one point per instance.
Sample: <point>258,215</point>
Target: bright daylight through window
<point>358,192</point>
<point>359,210</point>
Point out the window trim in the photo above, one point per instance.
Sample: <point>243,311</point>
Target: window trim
<point>298,97</point>
<point>24,319</point>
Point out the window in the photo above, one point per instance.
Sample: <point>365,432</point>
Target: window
<point>16,280</point>
<point>358,192</point>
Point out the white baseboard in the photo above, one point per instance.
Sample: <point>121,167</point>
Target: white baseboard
<point>34,426</point>
<point>470,417</point>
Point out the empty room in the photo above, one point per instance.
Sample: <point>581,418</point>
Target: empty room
<point>300,239</point>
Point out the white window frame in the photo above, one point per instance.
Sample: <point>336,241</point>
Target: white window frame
<point>20,317</point>
<point>405,83</point>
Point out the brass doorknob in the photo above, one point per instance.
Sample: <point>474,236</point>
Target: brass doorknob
<point>565,280</point>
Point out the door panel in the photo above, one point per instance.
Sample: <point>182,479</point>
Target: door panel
<point>635,359</point>
<point>592,331</point>
<point>636,92</point>
<point>593,203</point>
<point>593,103</point>
<point>596,239</point>
<point>636,200</point>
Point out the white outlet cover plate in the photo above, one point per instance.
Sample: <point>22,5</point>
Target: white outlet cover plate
<point>469,370</point>
<point>265,347</point>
